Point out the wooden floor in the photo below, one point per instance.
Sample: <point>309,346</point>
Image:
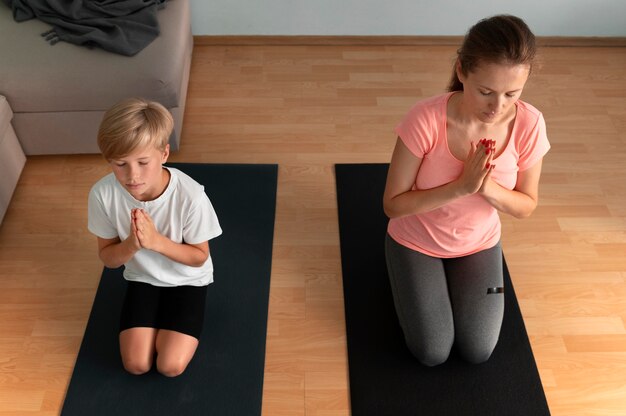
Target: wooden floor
<point>307,108</point>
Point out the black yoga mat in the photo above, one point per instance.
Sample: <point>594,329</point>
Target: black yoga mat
<point>385,379</point>
<point>225,377</point>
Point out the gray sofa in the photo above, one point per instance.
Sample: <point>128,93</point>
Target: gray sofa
<point>59,93</point>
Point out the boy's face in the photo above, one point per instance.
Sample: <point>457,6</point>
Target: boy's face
<point>141,173</point>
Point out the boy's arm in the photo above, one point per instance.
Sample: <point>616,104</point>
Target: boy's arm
<point>194,255</point>
<point>114,253</point>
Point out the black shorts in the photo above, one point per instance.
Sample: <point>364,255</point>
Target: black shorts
<point>179,308</point>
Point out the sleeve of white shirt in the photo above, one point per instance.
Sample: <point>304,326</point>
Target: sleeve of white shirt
<point>98,221</point>
<point>201,223</point>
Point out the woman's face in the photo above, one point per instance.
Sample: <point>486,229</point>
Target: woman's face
<point>491,90</point>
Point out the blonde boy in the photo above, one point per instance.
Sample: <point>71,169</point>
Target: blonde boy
<point>156,221</point>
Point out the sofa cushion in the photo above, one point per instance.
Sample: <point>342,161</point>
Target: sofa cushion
<point>5,115</point>
<point>12,157</point>
<point>38,77</point>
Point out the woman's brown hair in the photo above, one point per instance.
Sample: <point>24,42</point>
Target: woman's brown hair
<point>499,39</point>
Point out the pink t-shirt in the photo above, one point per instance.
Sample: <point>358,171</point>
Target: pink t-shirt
<point>469,224</point>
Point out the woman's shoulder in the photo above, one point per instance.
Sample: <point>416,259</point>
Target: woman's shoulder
<point>527,113</point>
<point>431,105</point>
<point>421,127</point>
<point>428,112</point>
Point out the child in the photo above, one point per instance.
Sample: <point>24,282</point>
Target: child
<point>156,221</point>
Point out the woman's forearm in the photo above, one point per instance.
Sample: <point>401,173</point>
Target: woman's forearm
<point>418,201</point>
<point>512,202</point>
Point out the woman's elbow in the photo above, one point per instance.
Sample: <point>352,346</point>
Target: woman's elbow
<point>526,211</point>
<point>388,209</point>
<point>522,215</point>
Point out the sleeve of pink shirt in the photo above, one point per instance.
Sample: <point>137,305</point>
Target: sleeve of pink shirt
<point>533,145</point>
<point>417,129</point>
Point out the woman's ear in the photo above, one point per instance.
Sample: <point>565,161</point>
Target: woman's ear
<point>459,71</point>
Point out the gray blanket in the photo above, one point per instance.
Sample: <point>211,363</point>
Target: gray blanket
<point>120,26</point>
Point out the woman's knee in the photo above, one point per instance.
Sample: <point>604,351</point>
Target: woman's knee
<point>477,354</point>
<point>431,358</point>
<point>429,352</point>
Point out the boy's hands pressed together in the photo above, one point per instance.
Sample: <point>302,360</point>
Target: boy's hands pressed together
<point>144,230</point>
<point>144,234</point>
<point>114,253</point>
<point>133,240</point>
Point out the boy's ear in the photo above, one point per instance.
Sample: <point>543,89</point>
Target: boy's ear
<point>166,153</point>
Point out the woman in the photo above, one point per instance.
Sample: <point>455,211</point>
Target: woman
<point>459,159</point>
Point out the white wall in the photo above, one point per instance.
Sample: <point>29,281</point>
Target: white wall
<point>402,17</point>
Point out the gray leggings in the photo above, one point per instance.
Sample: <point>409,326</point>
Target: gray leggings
<point>441,302</point>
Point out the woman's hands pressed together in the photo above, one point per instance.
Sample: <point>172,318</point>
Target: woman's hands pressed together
<point>478,166</point>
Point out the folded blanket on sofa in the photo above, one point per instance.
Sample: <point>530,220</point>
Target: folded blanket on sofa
<point>119,26</point>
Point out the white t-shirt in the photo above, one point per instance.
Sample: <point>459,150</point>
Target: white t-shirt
<point>183,213</point>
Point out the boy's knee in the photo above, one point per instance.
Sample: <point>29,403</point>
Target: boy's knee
<point>171,368</point>
<point>137,367</point>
